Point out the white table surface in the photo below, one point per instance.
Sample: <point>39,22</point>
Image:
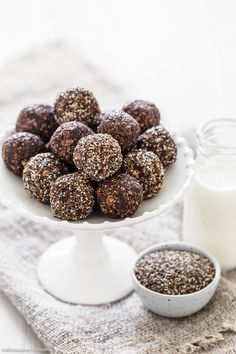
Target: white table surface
<point>181,54</point>
<point>14,331</point>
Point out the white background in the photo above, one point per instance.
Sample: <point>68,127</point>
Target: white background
<point>179,53</point>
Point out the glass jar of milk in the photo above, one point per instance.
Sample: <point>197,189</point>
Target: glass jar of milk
<point>210,201</point>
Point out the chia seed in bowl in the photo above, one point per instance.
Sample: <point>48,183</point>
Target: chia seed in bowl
<point>175,279</point>
<point>174,272</point>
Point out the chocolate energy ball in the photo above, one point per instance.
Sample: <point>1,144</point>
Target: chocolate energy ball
<point>66,137</point>
<point>72,197</point>
<point>98,156</point>
<point>37,119</point>
<point>119,196</point>
<point>19,148</point>
<point>122,127</point>
<point>146,113</point>
<point>159,141</point>
<point>147,168</point>
<point>76,104</point>
<point>40,172</point>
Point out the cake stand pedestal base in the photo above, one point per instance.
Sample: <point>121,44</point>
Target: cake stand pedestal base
<point>89,269</point>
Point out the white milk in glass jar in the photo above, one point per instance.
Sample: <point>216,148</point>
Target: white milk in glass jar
<point>210,201</point>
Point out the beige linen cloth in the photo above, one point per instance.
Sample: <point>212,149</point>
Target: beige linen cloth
<point>125,327</point>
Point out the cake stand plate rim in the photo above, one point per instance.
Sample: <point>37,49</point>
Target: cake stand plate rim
<point>107,224</point>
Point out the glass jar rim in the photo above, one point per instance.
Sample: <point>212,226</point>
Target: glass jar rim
<point>206,127</point>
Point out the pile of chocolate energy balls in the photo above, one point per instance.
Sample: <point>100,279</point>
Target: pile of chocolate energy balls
<point>79,159</point>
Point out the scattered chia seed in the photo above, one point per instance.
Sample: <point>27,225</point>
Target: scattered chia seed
<point>174,272</point>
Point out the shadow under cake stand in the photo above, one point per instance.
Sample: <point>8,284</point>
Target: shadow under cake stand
<point>88,267</point>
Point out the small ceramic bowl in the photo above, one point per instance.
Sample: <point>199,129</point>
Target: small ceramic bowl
<point>177,305</point>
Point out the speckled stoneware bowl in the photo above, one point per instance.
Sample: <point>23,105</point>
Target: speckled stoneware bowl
<point>177,305</point>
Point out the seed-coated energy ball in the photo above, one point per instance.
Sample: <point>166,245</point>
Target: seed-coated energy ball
<point>146,113</point>
<point>122,127</point>
<point>98,156</point>
<point>76,104</point>
<point>66,137</point>
<point>19,148</point>
<point>147,168</point>
<point>119,196</point>
<point>159,141</point>
<point>37,119</point>
<point>40,172</point>
<point>72,197</point>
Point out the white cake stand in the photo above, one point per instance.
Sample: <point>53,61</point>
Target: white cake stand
<point>88,267</point>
